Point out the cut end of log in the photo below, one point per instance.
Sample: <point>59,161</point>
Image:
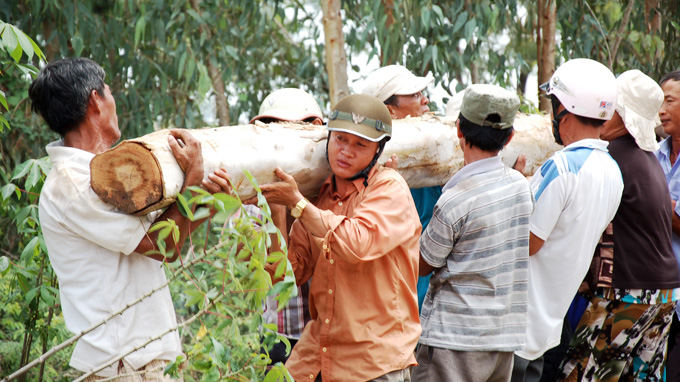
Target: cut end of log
<point>127,177</point>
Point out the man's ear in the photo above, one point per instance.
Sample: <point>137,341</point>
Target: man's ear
<point>509,138</point>
<point>392,110</point>
<point>460,135</point>
<point>95,101</point>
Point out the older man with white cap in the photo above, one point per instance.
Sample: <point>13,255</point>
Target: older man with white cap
<point>402,92</point>
<point>634,279</point>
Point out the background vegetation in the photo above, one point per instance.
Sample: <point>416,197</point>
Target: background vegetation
<point>166,59</point>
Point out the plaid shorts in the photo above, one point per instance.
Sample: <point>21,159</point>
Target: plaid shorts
<point>618,341</point>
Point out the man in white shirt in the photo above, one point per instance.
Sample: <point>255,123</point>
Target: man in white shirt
<point>577,192</point>
<point>96,251</point>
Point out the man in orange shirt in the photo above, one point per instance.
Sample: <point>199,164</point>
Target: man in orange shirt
<point>358,242</point>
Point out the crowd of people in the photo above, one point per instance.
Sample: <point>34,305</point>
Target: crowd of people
<point>572,275</point>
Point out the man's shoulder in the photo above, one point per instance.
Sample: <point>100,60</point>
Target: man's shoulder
<point>385,175</point>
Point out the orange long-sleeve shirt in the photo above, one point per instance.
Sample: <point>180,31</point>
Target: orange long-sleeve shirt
<point>364,272</point>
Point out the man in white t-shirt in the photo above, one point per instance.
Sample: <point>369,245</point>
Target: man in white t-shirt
<point>577,193</point>
<point>96,251</point>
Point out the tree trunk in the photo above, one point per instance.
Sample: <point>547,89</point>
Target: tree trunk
<point>221,104</point>
<point>388,6</point>
<point>336,58</point>
<point>545,40</point>
<point>142,175</point>
<point>619,35</point>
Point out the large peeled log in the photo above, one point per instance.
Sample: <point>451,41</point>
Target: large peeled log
<point>141,175</point>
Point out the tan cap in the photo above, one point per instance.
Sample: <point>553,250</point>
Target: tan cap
<point>638,104</point>
<point>289,104</point>
<point>361,115</point>
<point>481,100</point>
<point>394,79</point>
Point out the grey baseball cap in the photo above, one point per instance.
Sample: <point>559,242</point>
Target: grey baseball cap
<point>482,100</point>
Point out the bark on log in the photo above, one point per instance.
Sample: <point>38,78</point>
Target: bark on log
<point>141,175</point>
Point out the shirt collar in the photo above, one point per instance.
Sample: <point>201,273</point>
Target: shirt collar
<point>58,152</point>
<point>591,143</point>
<point>665,147</point>
<point>358,184</point>
<point>474,168</point>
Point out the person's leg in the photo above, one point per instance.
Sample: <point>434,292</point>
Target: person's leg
<point>617,340</point>
<point>402,375</point>
<point>646,362</point>
<point>673,359</point>
<point>436,365</point>
<point>524,370</point>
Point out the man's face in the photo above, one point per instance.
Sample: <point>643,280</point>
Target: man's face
<point>670,108</point>
<point>108,116</point>
<point>348,154</point>
<point>414,105</point>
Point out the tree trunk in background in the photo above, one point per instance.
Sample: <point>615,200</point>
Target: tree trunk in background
<point>221,104</point>
<point>652,16</point>
<point>336,57</point>
<point>619,35</point>
<point>388,6</point>
<point>545,40</point>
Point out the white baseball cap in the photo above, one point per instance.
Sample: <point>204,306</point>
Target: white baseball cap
<point>288,104</point>
<point>638,104</point>
<point>394,79</point>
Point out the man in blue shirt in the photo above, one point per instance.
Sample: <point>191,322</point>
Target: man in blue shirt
<point>667,156</point>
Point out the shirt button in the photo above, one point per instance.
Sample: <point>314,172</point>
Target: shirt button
<point>325,247</point>
<point>324,350</point>
<point>311,376</point>
<point>330,291</point>
<point>331,261</point>
<point>339,203</point>
<point>327,321</point>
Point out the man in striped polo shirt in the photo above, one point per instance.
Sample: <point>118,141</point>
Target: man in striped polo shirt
<point>475,312</point>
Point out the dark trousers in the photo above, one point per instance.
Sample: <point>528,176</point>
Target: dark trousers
<point>673,359</point>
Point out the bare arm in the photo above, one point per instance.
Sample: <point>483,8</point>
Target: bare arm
<point>535,244</point>
<point>425,268</point>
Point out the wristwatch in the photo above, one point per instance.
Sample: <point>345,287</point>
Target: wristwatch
<point>296,211</point>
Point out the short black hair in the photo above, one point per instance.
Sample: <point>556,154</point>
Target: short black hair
<point>484,137</point>
<point>674,75</point>
<point>393,100</point>
<point>61,91</point>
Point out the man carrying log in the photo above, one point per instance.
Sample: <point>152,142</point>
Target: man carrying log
<point>634,278</point>
<point>669,150</point>
<point>577,192</point>
<point>358,242</point>
<point>96,251</point>
<point>288,105</point>
<point>475,312</point>
<point>402,93</point>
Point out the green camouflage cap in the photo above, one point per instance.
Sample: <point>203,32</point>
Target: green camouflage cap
<point>481,100</point>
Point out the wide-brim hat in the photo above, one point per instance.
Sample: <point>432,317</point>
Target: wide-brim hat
<point>394,80</point>
<point>639,101</point>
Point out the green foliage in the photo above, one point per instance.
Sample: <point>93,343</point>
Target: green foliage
<point>591,28</point>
